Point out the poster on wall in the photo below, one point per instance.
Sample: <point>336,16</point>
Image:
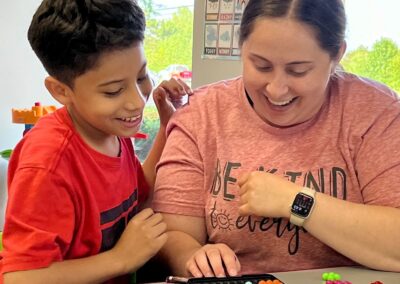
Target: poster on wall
<point>221,28</point>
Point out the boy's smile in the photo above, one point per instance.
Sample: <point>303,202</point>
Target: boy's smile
<point>108,100</point>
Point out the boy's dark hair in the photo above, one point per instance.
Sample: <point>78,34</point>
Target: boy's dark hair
<point>326,17</point>
<point>68,36</point>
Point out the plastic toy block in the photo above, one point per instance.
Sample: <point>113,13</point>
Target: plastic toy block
<point>31,116</point>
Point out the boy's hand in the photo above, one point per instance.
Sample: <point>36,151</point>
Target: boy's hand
<point>168,97</point>
<point>142,239</point>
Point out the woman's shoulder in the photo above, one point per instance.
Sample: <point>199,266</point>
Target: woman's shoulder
<point>364,90</point>
<point>363,102</point>
<point>209,102</point>
<point>221,90</point>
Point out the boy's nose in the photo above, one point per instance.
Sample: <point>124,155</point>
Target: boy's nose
<point>134,99</point>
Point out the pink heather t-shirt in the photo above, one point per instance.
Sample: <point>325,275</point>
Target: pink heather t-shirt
<point>350,150</point>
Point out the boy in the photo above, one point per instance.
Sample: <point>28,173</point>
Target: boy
<point>75,183</point>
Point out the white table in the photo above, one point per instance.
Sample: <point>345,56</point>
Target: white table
<point>356,275</point>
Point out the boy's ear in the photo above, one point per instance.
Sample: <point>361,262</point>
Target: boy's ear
<point>58,90</point>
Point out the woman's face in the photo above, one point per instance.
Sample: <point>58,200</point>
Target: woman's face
<point>285,72</point>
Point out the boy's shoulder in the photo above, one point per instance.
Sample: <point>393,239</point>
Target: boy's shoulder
<point>43,145</point>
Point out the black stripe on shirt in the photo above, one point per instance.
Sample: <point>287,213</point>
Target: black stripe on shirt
<point>114,213</point>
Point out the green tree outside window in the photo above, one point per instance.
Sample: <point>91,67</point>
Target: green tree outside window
<point>381,63</point>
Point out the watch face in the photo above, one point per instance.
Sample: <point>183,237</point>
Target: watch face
<point>302,205</point>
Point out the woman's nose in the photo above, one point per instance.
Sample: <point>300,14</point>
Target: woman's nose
<point>277,86</point>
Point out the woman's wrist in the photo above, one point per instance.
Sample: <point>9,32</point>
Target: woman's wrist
<point>290,199</point>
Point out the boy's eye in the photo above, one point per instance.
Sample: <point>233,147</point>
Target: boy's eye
<point>114,93</point>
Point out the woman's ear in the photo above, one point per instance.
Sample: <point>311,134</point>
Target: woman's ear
<point>58,90</point>
<point>341,52</point>
<point>336,68</point>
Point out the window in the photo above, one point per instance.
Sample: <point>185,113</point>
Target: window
<point>168,48</point>
<point>373,40</point>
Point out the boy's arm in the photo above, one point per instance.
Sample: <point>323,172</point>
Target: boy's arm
<point>167,97</point>
<point>142,239</point>
<point>93,269</point>
<point>149,165</point>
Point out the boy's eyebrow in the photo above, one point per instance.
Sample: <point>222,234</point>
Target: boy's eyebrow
<point>118,81</point>
<point>290,63</point>
<point>110,82</point>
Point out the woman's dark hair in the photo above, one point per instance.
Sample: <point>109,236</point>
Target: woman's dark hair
<point>69,36</point>
<point>326,17</point>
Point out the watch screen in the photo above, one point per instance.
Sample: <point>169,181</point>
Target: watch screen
<point>302,205</point>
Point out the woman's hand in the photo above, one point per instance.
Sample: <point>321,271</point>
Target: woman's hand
<point>213,260</point>
<point>168,97</point>
<point>265,194</point>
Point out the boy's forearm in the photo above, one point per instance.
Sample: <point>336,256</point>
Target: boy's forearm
<point>149,165</point>
<point>94,269</point>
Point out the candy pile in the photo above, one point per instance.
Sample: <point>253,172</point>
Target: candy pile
<point>333,278</point>
<point>269,282</point>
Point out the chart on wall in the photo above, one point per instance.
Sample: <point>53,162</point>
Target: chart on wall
<point>221,28</point>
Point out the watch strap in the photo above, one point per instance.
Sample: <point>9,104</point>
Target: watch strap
<point>298,220</point>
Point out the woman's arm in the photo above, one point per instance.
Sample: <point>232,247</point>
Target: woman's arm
<point>167,97</point>
<point>367,234</point>
<point>186,235</point>
<point>187,254</point>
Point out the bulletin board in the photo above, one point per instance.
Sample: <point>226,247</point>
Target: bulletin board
<point>221,28</point>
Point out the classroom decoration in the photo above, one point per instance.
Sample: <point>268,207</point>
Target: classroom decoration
<point>221,29</point>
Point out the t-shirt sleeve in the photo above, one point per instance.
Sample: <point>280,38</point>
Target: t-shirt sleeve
<point>180,176</point>
<point>378,159</point>
<point>40,221</point>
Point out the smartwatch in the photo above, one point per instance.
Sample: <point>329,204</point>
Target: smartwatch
<point>302,206</point>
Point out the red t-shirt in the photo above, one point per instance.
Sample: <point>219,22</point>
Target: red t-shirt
<point>66,200</point>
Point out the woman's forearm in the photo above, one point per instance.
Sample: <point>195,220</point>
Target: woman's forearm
<point>177,251</point>
<point>367,234</point>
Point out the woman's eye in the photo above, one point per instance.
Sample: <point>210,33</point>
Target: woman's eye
<point>142,79</point>
<point>264,68</point>
<point>113,93</point>
<point>298,73</point>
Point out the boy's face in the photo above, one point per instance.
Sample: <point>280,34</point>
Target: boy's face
<point>109,99</point>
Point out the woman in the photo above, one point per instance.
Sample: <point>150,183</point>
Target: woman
<point>293,165</point>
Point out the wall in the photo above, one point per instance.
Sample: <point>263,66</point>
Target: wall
<point>21,74</point>
<point>208,70</point>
